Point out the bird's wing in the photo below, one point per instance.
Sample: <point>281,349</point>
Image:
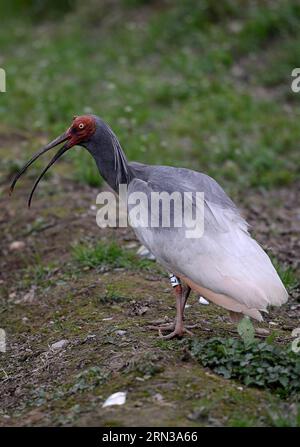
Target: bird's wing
<point>225,259</point>
<point>169,178</point>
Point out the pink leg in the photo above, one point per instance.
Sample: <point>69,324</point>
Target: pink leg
<point>180,304</point>
<point>176,327</point>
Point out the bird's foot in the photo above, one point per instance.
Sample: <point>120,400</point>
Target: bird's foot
<point>177,332</point>
<point>161,321</point>
<point>166,325</point>
<point>163,327</point>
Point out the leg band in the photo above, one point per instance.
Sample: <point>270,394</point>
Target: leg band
<point>174,280</point>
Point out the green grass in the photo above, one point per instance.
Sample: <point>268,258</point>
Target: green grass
<point>288,416</point>
<point>37,275</point>
<point>107,255</point>
<point>162,78</point>
<point>287,274</point>
<point>112,296</point>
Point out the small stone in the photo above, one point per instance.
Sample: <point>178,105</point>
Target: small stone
<point>59,345</point>
<point>121,333</point>
<point>158,397</point>
<point>262,331</point>
<point>17,246</point>
<point>296,332</point>
<point>235,26</point>
<point>89,337</point>
<point>143,310</point>
<point>29,296</point>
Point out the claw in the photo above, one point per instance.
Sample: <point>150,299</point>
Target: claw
<point>169,327</point>
<point>164,320</point>
<point>163,327</point>
<point>176,333</point>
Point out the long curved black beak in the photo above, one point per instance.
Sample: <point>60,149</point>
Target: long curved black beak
<point>61,139</point>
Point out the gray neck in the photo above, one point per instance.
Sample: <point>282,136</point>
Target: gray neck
<point>109,157</point>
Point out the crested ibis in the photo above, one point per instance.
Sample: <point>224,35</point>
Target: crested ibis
<point>225,265</point>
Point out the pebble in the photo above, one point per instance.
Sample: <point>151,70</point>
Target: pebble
<point>121,333</point>
<point>90,337</point>
<point>296,332</point>
<point>29,296</point>
<point>12,295</point>
<point>17,245</point>
<point>158,397</point>
<point>143,310</point>
<point>59,345</point>
<point>262,331</point>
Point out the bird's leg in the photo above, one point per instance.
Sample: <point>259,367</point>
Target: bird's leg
<point>184,293</point>
<point>184,297</point>
<point>166,325</point>
<point>181,299</point>
<point>180,304</point>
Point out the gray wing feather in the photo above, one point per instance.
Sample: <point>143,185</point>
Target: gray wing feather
<point>169,178</point>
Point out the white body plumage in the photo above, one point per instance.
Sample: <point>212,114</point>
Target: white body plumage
<point>225,265</point>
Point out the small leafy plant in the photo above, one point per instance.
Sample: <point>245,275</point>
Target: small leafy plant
<point>112,296</point>
<point>252,362</point>
<point>89,379</point>
<point>147,364</point>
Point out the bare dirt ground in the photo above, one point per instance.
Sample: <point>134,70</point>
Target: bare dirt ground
<point>102,314</point>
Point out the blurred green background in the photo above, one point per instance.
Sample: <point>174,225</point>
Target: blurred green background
<point>202,84</point>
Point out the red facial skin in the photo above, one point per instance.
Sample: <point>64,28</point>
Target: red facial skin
<point>83,127</point>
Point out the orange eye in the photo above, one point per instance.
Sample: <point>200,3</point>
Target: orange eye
<point>81,126</point>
